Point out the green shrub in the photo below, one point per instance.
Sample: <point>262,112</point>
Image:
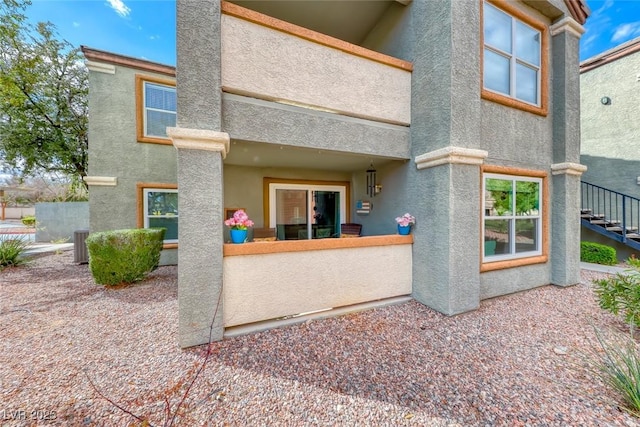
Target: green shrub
<point>29,221</point>
<point>620,294</point>
<point>597,253</point>
<point>11,251</point>
<point>124,256</point>
<point>618,364</point>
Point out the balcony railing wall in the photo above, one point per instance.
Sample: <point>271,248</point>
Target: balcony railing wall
<point>269,59</point>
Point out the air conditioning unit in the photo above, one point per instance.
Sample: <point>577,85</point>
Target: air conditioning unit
<point>80,252</point>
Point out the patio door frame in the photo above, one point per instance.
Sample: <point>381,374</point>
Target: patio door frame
<point>273,184</point>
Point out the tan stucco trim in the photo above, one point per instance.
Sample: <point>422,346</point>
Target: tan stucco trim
<point>104,181</point>
<point>578,9</point>
<point>140,80</point>
<point>508,170</point>
<point>542,109</point>
<point>567,24</point>
<point>313,36</point>
<point>568,168</point>
<point>538,259</point>
<point>258,248</point>
<point>126,61</point>
<point>501,265</point>
<point>100,67</point>
<point>611,55</point>
<point>451,155</point>
<point>199,139</point>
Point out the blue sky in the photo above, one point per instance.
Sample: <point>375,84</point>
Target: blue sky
<point>138,28</point>
<point>146,28</point>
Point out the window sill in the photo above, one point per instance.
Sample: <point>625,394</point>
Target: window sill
<point>514,103</point>
<point>279,246</point>
<point>511,263</point>
<point>152,140</point>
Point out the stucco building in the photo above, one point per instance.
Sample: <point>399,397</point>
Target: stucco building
<point>610,125</point>
<point>610,133</point>
<point>467,112</point>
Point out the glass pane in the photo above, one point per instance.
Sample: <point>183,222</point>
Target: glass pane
<point>158,121</point>
<point>160,97</point>
<point>171,224</point>
<point>291,214</point>
<point>496,72</point>
<point>527,44</point>
<point>162,203</point>
<point>326,214</point>
<point>526,84</point>
<point>526,235</point>
<point>497,230</point>
<point>497,28</point>
<point>498,197</point>
<point>527,198</point>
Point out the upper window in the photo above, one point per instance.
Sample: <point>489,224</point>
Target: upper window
<point>158,204</point>
<point>514,52</point>
<point>512,217</point>
<point>156,99</point>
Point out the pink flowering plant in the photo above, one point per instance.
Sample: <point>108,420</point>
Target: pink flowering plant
<point>239,221</point>
<point>406,220</point>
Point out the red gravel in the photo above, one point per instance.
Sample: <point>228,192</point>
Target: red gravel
<point>517,361</point>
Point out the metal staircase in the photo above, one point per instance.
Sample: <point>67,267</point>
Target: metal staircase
<point>612,214</point>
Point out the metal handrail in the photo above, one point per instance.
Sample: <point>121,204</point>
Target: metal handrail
<point>613,207</point>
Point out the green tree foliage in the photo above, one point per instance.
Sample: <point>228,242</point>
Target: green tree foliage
<point>527,196</point>
<point>43,97</point>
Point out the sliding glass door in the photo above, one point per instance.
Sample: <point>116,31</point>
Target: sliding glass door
<point>299,211</point>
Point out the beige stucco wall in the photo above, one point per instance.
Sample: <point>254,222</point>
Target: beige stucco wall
<point>269,64</point>
<point>269,286</point>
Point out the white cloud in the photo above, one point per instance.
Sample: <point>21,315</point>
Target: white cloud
<point>76,24</point>
<point>607,4</point>
<point>120,8</point>
<point>626,31</point>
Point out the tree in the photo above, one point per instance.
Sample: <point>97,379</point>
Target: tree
<point>43,97</point>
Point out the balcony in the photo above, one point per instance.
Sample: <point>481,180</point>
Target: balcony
<point>273,60</point>
<point>312,276</point>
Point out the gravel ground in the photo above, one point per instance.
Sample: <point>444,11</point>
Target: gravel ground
<point>517,361</point>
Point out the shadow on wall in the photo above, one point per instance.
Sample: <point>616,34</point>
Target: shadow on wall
<point>614,174</point>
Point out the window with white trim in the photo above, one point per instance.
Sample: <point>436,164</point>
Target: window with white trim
<point>512,217</point>
<point>160,209</point>
<point>159,109</point>
<point>512,64</point>
<point>155,108</point>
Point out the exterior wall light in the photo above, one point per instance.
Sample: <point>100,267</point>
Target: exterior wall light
<point>605,100</point>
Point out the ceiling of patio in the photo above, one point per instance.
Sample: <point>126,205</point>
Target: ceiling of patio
<point>262,155</point>
<point>346,19</point>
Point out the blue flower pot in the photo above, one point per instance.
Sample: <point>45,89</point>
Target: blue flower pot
<point>238,236</point>
<point>404,230</point>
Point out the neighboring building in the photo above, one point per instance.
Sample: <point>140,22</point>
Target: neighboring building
<point>452,103</point>
<point>610,118</point>
<point>610,143</point>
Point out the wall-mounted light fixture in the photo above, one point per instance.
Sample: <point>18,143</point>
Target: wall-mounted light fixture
<point>605,100</point>
<point>373,188</point>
